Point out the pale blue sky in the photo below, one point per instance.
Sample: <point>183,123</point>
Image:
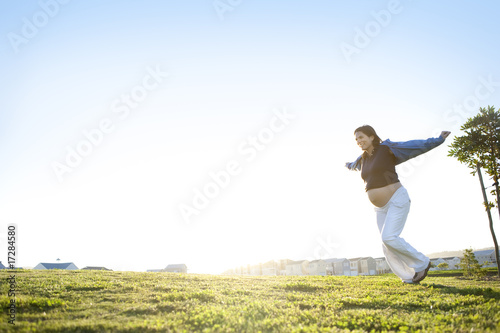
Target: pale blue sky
<point>119,207</point>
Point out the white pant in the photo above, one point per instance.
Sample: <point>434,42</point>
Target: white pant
<point>402,258</point>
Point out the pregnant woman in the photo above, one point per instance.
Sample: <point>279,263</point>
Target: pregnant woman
<point>392,203</point>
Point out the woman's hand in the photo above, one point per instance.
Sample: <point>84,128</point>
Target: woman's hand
<point>444,134</point>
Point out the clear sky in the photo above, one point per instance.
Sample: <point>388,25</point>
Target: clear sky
<point>137,134</point>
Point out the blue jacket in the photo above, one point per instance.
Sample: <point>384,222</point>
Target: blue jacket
<point>403,151</point>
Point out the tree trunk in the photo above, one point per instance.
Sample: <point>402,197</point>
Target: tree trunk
<point>495,178</point>
<point>498,207</point>
<point>488,210</point>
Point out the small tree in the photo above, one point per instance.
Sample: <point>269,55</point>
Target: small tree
<point>480,148</point>
<point>472,268</point>
<point>443,265</point>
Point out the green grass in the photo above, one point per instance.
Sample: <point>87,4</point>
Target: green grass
<point>101,301</point>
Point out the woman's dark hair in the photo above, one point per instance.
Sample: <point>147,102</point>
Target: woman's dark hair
<point>369,131</point>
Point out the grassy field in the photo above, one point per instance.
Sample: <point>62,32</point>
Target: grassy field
<point>97,301</point>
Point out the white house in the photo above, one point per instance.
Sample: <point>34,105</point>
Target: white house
<point>66,266</point>
<point>453,262</point>
<point>96,268</point>
<point>382,266</point>
<point>281,269</point>
<point>298,268</point>
<point>363,266</point>
<point>486,256</point>
<point>270,268</point>
<point>435,262</point>
<point>338,266</point>
<point>367,266</point>
<point>242,270</point>
<point>318,267</point>
<point>354,265</point>
<point>178,268</point>
<point>256,269</point>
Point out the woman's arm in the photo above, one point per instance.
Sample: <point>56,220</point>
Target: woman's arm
<point>444,134</point>
<point>406,150</point>
<point>354,166</point>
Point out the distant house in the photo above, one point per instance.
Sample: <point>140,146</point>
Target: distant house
<point>486,256</point>
<point>66,266</point>
<point>382,266</point>
<point>241,270</point>
<point>453,262</point>
<point>318,267</point>
<point>338,266</point>
<point>363,266</point>
<point>354,266</point>
<point>96,268</point>
<point>483,256</point>
<point>322,267</point>
<point>270,268</point>
<point>178,268</point>
<point>256,269</point>
<point>368,266</point>
<point>281,269</point>
<point>245,270</point>
<point>297,268</point>
<point>435,262</point>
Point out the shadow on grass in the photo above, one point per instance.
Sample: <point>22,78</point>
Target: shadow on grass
<point>459,273</point>
<point>487,293</point>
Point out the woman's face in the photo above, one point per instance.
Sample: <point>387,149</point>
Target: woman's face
<point>364,141</point>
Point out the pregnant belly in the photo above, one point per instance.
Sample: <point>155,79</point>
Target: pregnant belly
<point>380,196</point>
